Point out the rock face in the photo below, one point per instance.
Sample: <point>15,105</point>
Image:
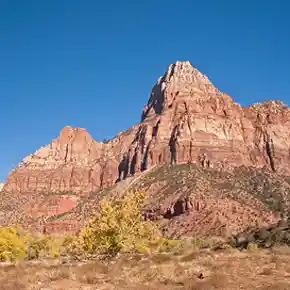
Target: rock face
<point>1,186</point>
<point>266,237</point>
<point>186,199</point>
<point>186,120</point>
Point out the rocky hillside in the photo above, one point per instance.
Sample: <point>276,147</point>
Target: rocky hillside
<point>183,199</point>
<point>186,121</point>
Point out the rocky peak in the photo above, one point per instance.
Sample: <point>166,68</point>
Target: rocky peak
<point>68,134</point>
<point>183,85</point>
<point>271,106</point>
<point>184,71</point>
<point>268,112</point>
<point>72,145</point>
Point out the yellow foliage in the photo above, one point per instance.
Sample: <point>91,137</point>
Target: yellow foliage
<point>12,244</point>
<point>43,246</point>
<point>15,244</point>
<point>118,226</point>
<point>162,245</point>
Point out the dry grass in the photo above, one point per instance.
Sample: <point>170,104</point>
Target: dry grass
<point>221,270</point>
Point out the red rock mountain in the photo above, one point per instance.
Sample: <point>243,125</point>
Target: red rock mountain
<point>186,120</point>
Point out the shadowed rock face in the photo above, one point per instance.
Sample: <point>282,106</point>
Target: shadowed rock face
<point>265,237</point>
<point>186,120</point>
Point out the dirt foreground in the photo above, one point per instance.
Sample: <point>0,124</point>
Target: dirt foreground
<point>225,269</point>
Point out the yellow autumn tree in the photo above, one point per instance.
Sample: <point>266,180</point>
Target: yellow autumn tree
<point>118,226</point>
<point>12,244</point>
<point>16,244</point>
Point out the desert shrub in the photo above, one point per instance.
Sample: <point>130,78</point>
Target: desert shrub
<point>199,243</point>
<point>159,245</point>
<point>252,247</point>
<point>12,244</point>
<point>68,242</point>
<point>118,226</point>
<point>43,246</point>
<point>164,245</point>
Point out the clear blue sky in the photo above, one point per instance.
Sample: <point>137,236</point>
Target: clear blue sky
<point>91,63</point>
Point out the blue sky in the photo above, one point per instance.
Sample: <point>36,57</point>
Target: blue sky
<point>91,63</point>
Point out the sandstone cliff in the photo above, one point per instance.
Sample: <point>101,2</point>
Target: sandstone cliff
<point>184,199</point>
<point>186,120</point>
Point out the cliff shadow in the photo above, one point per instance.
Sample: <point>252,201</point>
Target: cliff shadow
<point>156,101</point>
<point>123,168</point>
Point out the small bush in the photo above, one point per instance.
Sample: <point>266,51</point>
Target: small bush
<point>118,226</point>
<point>252,247</point>
<point>199,243</point>
<point>43,246</point>
<point>163,245</point>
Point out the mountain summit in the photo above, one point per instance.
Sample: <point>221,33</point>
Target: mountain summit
<point>186,120</point>
<point>181,79</point>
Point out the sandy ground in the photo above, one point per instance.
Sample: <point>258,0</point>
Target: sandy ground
<point>225,269</point>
